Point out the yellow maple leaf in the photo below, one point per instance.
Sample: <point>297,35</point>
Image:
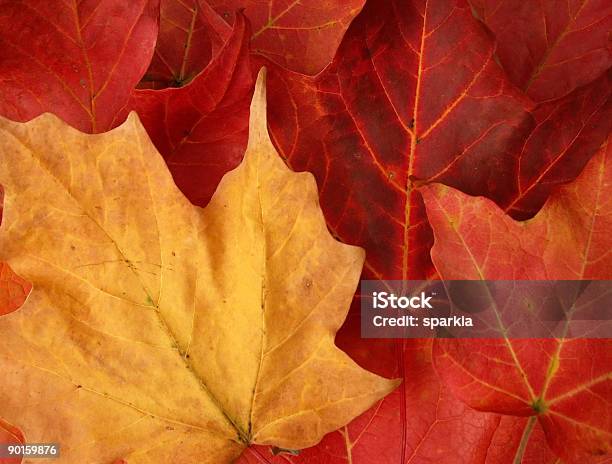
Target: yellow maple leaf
<point>161,332</point>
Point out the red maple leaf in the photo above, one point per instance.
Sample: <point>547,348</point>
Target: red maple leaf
<point>415,95</point>
<point>79,61</point>
<point>549,49</point>
<point>301,36</point>
<point>189,37</point>
<point>564,383</point>
<point>201,129</point>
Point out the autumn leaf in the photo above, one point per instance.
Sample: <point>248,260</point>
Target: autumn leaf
<point>79,61</point>
<point>568,132</point>
<point>436,427</point>
<point>510,444</point>
<point>386,90</point>
<point>157,329</point>
<point>353,115</point>
<point>420,422</point>
<point>353,112</point>
<point>201,129</point>
<point>13,290</point>
<point>407,101</point>
<point>564,383</point>
<point>547,48</point>
<point>301,36</point>
<point>566,240</point>
<point>189,37</point>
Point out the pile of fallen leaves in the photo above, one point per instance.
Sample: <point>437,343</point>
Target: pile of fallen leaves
<point>174,288</point>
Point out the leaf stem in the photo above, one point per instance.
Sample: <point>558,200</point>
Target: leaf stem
<point>520,452</point>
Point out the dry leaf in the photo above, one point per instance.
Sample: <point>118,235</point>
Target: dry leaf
<point>157,330</point>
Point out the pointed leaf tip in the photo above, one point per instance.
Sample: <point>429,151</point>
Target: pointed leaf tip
<point>258,120</point>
